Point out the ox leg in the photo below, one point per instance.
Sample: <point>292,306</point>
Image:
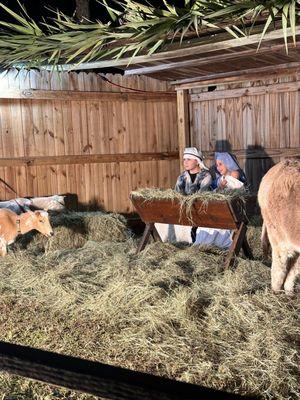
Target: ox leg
<point>3,247</point>
<point>294,271</point>
<point>278,270</point>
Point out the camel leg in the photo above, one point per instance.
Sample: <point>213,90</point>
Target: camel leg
<point>3,247</point>
<point>292,274</point>
<point>278,270</point>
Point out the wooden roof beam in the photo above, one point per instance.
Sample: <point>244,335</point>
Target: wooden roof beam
<point>202,47</point>
<point>206,60</point>
<point>237,76</point>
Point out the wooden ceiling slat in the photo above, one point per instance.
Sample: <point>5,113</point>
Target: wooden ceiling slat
<point>211,45</point>
<point>226,56</point>
<point>237,76</point>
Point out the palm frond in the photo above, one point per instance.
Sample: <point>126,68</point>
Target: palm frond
<point>137,28</point>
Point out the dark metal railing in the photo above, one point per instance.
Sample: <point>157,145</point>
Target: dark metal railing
<point>99,379</point>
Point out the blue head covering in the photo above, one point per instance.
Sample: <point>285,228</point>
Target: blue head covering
<point>227,160</point>
<point>231,164</point>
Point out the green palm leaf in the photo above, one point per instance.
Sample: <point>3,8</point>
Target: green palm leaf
<point>137,29</point>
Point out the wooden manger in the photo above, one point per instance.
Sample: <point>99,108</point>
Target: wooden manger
<point>225,214</point>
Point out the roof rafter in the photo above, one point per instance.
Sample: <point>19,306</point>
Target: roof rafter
<point>206,47</point>
<point>237,76</point>
<point>273,48</point>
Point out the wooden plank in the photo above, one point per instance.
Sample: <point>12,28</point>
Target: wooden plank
<point>38,135</point>
<point>244,92</point>
<point>183,121</point>
<point>16,120</point>
<point>205,125</point>
<point>86,159</point>
<point>247,121</point>
<point>32,185</point>
<point>62,181</point>
<point>284,112</point>
<point>237,128</point>
<point>56,83</point>
<point>259,117</point>
<point>97,158</point>
<point>116,186</point>
<point>80,184</point>
<point>8,148</point>
<point>234,56</point>
<point>62,95</point>
<point>237,242</point>
<point>26,184</point>
<point>238,76</point>
<point>10,142</point>
<point>195,124</point>
<point>294,119</point>
<point>254,153</point>
<point>5,192</point>
<point>213,215</point>
<point>267,131</point>
<point>274,121</point>
<point>231,130</point>
<point>221,141</point>
<point>69,137</point>
<point>47,115</point>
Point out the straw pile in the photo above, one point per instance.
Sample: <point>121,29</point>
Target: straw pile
<point>171,310</point>
<point>73,230</point>
<point>149,194</point>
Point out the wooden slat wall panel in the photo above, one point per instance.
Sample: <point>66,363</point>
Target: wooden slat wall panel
<point>257,121</point>
<point>45,127</point>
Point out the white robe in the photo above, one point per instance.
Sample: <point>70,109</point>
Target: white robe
<point>205,236</point>
<point>174,233</point>
<point>218,237</point>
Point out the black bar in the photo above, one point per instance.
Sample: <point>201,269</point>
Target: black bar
<point>99,379</point>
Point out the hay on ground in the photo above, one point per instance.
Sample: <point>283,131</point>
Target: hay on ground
<point>74,229</point>
<point>170,310</point>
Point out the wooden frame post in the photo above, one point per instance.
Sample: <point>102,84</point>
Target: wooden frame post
<point>183,121</point>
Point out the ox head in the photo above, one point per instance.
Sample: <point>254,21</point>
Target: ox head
<point>40,222</point>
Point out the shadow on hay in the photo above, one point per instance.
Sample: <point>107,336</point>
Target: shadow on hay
<point>74,229</point>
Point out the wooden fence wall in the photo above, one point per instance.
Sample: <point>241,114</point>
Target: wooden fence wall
<point>259,121</point>
<point>77,133</point>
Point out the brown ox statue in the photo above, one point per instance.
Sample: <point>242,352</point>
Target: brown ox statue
<point>278,197</point>
<point>12,225</point>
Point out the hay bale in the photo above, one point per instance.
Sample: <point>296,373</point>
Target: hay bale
<point>74,229</point>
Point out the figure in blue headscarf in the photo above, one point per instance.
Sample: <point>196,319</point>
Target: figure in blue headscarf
<point>229,174</point>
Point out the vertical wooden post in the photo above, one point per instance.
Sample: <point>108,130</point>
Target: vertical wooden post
<point>183,120</point>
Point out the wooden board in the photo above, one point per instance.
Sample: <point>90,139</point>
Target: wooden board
<point>214,214</point>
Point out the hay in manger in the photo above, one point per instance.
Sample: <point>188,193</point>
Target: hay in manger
<point>203,209</point>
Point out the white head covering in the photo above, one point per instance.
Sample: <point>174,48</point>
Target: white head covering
<point>194,154</point>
